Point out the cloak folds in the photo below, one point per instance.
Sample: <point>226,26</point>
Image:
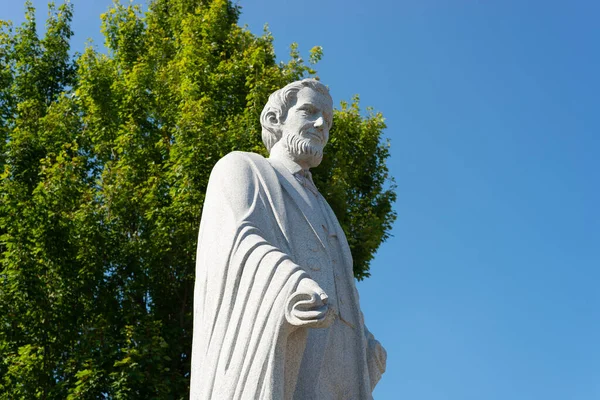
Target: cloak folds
<point>244,278</point>
<point>259,226</point>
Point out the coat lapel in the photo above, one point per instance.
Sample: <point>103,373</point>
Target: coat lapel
<point>309,207</point>
<point>341,239</point>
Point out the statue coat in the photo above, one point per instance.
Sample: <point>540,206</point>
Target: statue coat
<point>260,234</point>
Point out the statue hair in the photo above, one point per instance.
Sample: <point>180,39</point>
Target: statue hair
<point>276,109</point>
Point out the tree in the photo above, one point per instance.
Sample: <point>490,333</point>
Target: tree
<point>105,159</point>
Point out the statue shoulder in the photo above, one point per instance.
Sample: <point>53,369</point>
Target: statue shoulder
<point>239,164</point>
<point>239,160</point>
<point>236,177</point>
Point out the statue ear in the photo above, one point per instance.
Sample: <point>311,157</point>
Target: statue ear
<point>273,117</point>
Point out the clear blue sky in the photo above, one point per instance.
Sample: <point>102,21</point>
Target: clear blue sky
<point>489,288</point>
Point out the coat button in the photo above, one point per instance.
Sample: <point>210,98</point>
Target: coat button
<point>313,264</point>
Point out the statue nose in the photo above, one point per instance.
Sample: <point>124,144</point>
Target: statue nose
<point>319,123</point>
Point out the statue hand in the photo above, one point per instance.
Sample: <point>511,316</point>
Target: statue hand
<point>308,307</point>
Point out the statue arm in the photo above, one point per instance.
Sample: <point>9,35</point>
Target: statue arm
<point>376,358</point>
<point>240,183</point>
<point>376,354</point>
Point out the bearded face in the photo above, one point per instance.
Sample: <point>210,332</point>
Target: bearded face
<point>304,150</point>
<point>306,127</point>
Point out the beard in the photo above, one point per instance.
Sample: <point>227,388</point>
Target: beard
<point>302,149</point>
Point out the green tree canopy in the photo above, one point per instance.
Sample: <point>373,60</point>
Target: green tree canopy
<point>105,159</point>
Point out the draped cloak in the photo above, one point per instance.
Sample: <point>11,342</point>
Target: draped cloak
<point>254,247</point>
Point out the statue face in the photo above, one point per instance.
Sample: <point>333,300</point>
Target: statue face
<point>306,127</point>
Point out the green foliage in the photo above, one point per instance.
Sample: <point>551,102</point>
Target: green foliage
<point>105,159</point>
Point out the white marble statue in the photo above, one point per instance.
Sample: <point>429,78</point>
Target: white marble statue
<point>276,311</point>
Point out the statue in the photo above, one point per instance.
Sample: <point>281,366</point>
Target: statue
<point>276,310</point>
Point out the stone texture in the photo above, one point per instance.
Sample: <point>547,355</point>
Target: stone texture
<point>276,310</point>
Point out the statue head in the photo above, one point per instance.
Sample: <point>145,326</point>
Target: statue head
<point>298,117</point>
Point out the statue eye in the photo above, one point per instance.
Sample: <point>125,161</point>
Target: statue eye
<point>307,110</point>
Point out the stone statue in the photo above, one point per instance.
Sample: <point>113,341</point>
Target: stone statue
<point>276,310</point>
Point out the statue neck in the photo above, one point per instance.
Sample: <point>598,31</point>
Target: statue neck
<point>283,155</point>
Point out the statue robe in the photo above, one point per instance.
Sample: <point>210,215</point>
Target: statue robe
<point>260,234</point>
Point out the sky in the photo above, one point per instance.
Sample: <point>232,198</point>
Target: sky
<point>488,288</point>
